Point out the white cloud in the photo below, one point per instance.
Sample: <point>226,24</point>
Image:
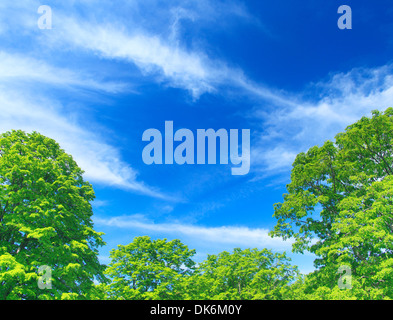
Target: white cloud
<point>293,123</point>
<point>236,236</point>
<point>205,240</point>
<point>149,53</point>
<point>145,34</point>
<point>275,159</point>
<point>101,162</point>
<point>16,68</point>
<point>341,100</point>
<point>24,105</point>
<point>15,15</point>
<point>159,56</point>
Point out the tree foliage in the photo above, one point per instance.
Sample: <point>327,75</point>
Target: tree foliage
<point>45,220</point>
<point>339,206</point>
<point>148,269</point>
<point>241,275</point>
<point>158,269</point>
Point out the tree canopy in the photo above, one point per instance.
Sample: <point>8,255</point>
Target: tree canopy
<point>148,269</point>
<point>45,221</point>
<point>339,206</point>
<point>161,269</point>
<point>241,275</point>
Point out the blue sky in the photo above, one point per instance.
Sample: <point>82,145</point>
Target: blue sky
<point>109,70</point>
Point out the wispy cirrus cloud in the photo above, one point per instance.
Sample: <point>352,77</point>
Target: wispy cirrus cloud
<point>24,104</point>
<point>227,235</point>
<point>101,162</point>
<point>18,68</point>
<point>161,56</point>
<point>289,122</point>
<point>151,40</point>
<point>337,102</point>
<point>204,239</point>
<point>149,53</point>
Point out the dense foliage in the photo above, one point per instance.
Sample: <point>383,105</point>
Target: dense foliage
<point>339,206</point>
<point>146,269</point>
<point>158,269</point>
<point>241,275</point>
<point>45,220</point>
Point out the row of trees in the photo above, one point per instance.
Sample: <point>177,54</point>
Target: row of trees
<point>338,205</point>
<point>157,269</point>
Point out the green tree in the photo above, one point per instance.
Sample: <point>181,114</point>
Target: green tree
<point>148,269</point>
<point>243,274</point>
<point>339,206</point>
<point>45,220</point>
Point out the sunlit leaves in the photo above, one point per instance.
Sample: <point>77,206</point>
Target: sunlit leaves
<point>339,206</point>
<point>45,219</point>
<point>148,269</point>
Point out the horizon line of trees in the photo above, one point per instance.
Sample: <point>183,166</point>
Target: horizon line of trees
<point>338,206</point>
